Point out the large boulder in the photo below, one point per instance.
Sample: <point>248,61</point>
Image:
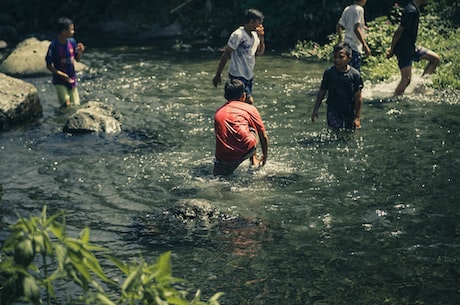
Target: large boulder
<point>94,117</point>
<point>28,59</point>
<point>18,101</point>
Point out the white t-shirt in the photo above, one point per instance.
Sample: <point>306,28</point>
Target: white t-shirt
<point>352,15</point>
<point>243,57</point>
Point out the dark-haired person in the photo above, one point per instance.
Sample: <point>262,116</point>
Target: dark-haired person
<point>352,21</point>
<point>404,47</point>
<point>343,85</point>
<point>238,128</point>
<point>244,44</point>
<point>60,60</point>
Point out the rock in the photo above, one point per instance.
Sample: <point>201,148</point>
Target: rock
<point>94,117</point>
<point>18,101</point>
<point>28,59</point>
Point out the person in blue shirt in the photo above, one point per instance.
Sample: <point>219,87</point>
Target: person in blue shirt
<point>60,60</point>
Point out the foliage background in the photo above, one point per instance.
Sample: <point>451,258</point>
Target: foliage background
<point>286,21</point>
<point>437,31</point>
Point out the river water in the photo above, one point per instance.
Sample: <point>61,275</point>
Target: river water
<point>369,217</point>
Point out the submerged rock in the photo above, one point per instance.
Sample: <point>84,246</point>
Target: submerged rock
<point>195,221</point>
<point>18,101</point>
<point>93,117</point>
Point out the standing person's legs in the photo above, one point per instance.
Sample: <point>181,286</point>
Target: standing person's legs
<point>63,95</point>
<point>67,96</point>
<point>406,74</point>
<point>74,97</point>
<point>433,59</point>
<point>356,60</point>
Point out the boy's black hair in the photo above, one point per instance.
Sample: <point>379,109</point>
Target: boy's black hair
<point>343,46</point>
<point>63,24</point>
<point>253,14</point>
<point>234,89</point>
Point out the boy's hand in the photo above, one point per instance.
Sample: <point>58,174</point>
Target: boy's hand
<point>217,80</point>
<point>357,123</point>
<point>314,116</point>
<point>389,53</point>
<point>260,30</point>
<point>80,47</point>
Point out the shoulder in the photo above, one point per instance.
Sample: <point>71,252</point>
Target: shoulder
<point>410,9</point>
<point>72,41</point>
<point>238,31</point>
<point>330,70</point>
<point>236,36</point>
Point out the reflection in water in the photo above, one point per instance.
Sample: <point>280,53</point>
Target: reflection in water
<point>368,217</point>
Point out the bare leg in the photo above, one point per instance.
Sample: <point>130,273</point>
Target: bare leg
<point>433,59</point>
<point>406,73</point>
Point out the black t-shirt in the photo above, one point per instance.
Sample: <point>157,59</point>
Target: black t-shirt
<point>409,21</point>
<point>341,88</point>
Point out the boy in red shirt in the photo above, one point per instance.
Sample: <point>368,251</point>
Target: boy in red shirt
<point>238,128</point>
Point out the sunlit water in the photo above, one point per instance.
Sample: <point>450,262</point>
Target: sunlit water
<point>361,218</point>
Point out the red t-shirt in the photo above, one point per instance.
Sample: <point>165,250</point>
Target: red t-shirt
<point>232,126</point>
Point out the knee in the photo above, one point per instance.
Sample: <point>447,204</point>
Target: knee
<point>435,60</point>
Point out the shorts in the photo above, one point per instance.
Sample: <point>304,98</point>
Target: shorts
<point>247,84</point>
<point>65,94</point>
<point>356,60</point>
<point>337,121</point>
<point>405,59</point>
<point>225,168</point>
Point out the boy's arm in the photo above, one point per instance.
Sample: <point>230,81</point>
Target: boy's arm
<point>394,40</point>
<point>319,100</point>
<point>223,61</point>
<point>339,29</point>
<point>358,104</point>
<point>53,70</point>
<point>261,33</point>
<point>80,50</point>
<point>264,145</point>
<point>360,35</point>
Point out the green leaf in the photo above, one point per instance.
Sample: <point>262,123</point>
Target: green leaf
<point>130,279</point>
<point>164,267</point>
<point>122,266</point>
<point>104,300</point>
<point>84,235</point>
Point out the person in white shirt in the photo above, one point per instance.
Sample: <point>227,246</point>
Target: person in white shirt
<point>244,44</point>
<point>352,21</point>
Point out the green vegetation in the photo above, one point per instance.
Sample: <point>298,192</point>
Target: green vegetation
<point>63,261</point>
<point>435,33</point>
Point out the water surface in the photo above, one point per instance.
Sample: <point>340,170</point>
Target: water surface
<point>362,218</point>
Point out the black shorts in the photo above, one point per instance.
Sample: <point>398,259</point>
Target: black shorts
<point>405,59</point>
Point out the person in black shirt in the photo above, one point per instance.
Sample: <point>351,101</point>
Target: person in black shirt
<point>404,47</point>
<point>343,84</point>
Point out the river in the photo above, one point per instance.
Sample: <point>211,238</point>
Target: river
<point>369,217</point>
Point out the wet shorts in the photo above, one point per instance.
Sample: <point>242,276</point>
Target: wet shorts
<point>224,168</point>
<point>405,59</point>
<point>336,121</point>
<point>65,94</point>
<point>356,60</point>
